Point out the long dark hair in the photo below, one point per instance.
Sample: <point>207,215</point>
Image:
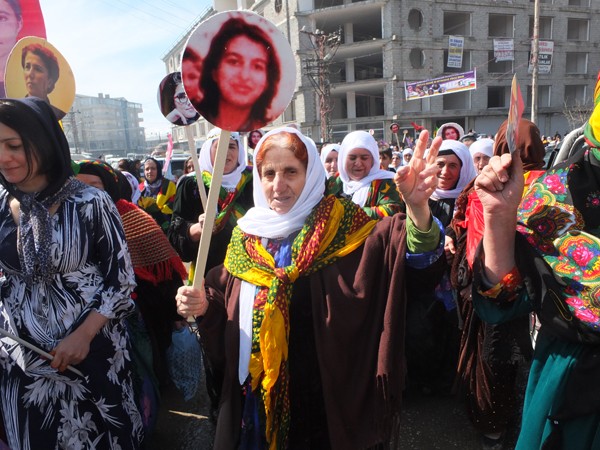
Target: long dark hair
<point>43,141</point>
<point>16,7</point>
<point>167,91</point>
<point>230,29</point>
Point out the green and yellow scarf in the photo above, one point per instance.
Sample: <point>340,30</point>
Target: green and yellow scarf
<point>228,208</point>
<point>334,229</point>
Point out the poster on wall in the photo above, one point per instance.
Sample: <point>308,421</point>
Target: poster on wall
<point>504,50</point>
<point>455,51</point>
<point>545,52</point>
<point>448,84</point>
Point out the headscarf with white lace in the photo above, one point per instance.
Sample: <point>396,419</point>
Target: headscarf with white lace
<point>359,189</point>
<point>231,179</point>
<point>261,220</point>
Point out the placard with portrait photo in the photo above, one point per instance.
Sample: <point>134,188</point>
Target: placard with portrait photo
<point>174,103</point>
<point>35,68</point>
<point>238,71</point>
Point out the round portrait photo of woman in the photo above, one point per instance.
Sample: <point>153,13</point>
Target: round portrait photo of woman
<point>232,71</point>
<point>35,68</point>
<point>174,102</point>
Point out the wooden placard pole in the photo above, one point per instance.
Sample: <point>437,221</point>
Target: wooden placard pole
<point>38,350</point>
<point>211,207</point>
<point>194,155</point>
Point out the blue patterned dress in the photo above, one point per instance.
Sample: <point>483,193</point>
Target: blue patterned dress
<point>42,408</point>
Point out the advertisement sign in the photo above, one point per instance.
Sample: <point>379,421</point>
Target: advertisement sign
<point>504,50</point>
<point>448,84</point>
<point>455,51</point>
<point>545,52</point>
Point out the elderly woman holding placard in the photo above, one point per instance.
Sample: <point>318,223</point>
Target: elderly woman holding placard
<point>310,286</point>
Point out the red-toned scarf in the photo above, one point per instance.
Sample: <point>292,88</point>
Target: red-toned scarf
<point>153,257</point>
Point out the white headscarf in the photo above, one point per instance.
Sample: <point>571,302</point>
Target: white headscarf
<point>264,222</point>
<point>467,170</point>
<point>325,151</point>
<point>135,186</point>
<point>261,220</point>
<point>484,146</point>
<point>230,180</point>
<point>406,151</point>
<point>360,189</point>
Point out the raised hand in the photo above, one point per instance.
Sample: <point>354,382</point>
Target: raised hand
<point>500,189</point>
<point>418,180</point>
<point>500,185</point>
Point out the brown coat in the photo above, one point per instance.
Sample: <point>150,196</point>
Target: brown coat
<point>356,311</point>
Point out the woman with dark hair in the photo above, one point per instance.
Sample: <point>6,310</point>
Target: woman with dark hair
<point>66,284</point>
<point>158,273</point>
<point>41,72</point>
<point>492,356</point>
<point>10,11</point>
<point>191,70</point>
<point>240,77</point>
<point>157,193</point>
<point>174,102</point>
<point>540,253</point>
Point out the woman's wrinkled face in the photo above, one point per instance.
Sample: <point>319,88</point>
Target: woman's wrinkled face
<point>150,171</point>
<point>37,78</point>
<point>358,163</point>
<point>10,26</point>
<point>282,177</point>
<point>450,171</point>
<point>480,161</point>
<point>396,161</point>
<point>331,161</point>
<point>233,154</point>
<point>242,72</point>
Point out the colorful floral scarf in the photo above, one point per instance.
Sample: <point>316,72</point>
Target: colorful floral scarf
<point>560,218</point>
<point>334,229</point>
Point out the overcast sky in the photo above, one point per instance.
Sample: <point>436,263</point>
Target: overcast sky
<point>115,46</point>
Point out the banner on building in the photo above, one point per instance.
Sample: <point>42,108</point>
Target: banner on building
<point>545,52</point>
<point>455,51</point>
<point>448,84</point>
<point>504,50</point>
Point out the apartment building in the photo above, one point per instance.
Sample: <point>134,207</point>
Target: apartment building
<point>101,126</point>
<point>384,44</point>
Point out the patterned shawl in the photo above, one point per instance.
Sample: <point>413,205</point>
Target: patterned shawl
<point>228,208</point>
<point>334,228</point>
<point>560,218</point>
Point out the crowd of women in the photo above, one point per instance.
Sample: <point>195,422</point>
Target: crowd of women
<point>333,287</point>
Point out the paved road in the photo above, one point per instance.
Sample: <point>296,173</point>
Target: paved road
<point>428,423</point>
